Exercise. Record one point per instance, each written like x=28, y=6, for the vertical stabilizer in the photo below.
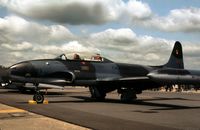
x=176, y=58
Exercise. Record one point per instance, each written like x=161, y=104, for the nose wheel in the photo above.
x=38, y=97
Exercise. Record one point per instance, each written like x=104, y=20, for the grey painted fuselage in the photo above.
x=105, y=75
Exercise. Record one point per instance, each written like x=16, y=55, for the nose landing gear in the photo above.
x=38, y=96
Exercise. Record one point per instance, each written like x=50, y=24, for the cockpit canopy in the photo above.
x=79, y=56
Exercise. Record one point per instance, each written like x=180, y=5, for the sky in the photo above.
x=127, y=31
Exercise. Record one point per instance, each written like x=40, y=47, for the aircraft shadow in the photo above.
x=143, y=102
x=163, y=98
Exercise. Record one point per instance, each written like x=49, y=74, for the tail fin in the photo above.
x=176, y=58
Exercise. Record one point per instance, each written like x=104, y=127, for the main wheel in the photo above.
x=39, y=98
x=97, y=93
x=128, y=96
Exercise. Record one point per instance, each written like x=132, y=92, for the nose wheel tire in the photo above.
x=39, y=98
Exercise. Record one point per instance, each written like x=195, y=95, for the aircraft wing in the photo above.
x=123, y=79
x=39, y=80
x=126, y=81
x=134, y=78
x=42, y=86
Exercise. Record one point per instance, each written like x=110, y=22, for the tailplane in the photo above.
x=176, y=58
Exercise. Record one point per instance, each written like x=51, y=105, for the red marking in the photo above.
x=83, y=63
x=177, y=52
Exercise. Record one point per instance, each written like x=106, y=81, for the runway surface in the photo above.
x=153, y=110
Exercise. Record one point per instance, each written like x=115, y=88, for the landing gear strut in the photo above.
x=97, y=93
x=38, y=97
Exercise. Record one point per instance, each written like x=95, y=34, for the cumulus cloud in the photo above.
x=129, y=48
x=151, y=56
x=18, y=38
x=124, y=45
x=24, y=40
x=96, y=12
x=18, y=29
x=178, y=20
x=138, y=10
x=18, y=47
x=16, y=54
x=78, y=11
x=70, y=47
x=119, y=45
x=117, y=36
x=123, y=37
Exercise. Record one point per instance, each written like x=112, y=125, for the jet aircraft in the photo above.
x=103, y=76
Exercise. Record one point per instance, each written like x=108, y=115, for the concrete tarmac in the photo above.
x=153, y=110
x=18, y=119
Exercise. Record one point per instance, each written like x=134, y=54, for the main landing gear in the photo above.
x=97, y=93
x=127, y=95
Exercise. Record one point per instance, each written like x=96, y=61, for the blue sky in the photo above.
x=162, y=7
x=143, y=31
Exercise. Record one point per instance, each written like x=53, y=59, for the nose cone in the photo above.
x=24, y=69
x=4, y=74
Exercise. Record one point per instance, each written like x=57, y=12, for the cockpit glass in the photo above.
x=81, y=56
